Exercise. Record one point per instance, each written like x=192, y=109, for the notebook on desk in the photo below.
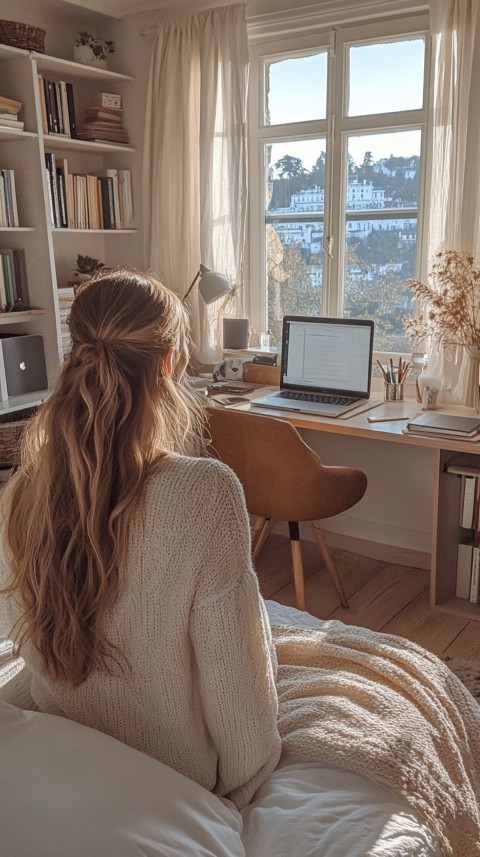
x=326, y=366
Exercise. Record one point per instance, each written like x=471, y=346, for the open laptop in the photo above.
x=326, y=366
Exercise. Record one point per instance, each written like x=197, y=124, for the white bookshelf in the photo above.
x=51, y=252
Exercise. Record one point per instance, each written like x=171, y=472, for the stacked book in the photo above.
x=57, y=107
x=65, y=300
x=103, y=124
x=13, y=281
x=9, y=110
x=8, y=199
x=434, y=424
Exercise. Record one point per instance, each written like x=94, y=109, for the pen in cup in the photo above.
x=392, y=375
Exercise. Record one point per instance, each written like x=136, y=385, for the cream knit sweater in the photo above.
x=200, y=695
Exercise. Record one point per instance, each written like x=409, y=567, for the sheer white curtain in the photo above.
x=455, y=192
x=194, y=172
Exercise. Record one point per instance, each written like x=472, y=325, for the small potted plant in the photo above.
x=90, y=50
x=86, y=267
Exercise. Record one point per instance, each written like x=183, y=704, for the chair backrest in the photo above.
x=283, y=478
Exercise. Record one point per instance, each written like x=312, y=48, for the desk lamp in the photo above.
x=211, y=285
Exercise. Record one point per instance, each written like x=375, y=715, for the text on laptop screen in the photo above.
x=327, y=355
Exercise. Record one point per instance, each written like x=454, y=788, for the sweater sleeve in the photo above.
x=231, y=638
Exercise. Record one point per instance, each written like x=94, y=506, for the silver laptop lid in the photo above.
x=327, y=355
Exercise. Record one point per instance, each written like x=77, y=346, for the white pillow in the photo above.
x=71, y=791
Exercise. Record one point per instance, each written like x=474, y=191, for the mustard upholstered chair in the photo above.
x=283, y=480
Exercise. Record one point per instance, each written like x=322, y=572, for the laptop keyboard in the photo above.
x=321, y=398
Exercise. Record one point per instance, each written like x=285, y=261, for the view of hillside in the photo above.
x=380, y=242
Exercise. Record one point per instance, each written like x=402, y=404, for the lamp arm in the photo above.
x=191, y=286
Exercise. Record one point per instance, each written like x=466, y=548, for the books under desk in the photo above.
x=467, y=468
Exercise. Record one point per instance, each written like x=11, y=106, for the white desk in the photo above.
x=446, y=531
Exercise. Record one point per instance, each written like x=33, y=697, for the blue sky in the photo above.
x=383, y=77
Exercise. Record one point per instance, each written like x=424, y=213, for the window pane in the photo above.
x=296, y=89
x=386, y=77
x=294, y=207
x=380, y=250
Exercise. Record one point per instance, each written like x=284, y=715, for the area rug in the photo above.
x=468, y=672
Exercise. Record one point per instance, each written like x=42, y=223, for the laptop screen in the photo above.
x=327, y=355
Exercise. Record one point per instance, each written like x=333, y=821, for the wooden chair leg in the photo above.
x=297, y=564
x=257, y=527
x=330, y=566
x=260, y=533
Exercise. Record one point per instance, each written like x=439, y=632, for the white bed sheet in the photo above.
x=306, y=808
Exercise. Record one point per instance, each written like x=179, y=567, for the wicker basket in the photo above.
x=12, y=427
x=24, y=36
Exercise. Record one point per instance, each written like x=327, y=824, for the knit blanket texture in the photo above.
x=384, y=707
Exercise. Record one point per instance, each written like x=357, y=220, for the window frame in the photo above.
x=335, y=128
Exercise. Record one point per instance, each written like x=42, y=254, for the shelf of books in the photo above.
x=71, y=177
x=97, y=200
x=456, y=560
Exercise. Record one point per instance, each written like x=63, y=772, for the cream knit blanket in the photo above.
x=383, y=707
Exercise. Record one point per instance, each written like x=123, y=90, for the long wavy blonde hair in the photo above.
x=119, y=407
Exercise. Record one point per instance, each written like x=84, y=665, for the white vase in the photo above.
x=85, y=55
x=472, y=391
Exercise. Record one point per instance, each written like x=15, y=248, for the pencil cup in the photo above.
x=393, y=392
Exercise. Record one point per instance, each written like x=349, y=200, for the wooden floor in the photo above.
x=381, y=596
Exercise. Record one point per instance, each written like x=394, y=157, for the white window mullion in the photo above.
x=330, y=238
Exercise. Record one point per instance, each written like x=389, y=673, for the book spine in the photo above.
x=58, y=107
x=125, y=182
x=48, y=104
x=107, y=203
x=468, y=505
x=64, y=103
x=3, y=210
x=116, y=202
x=61, y=198
x=13, y=195
x=53, y=106
x=100, y=205
x=464, y=571
x=3, y=293
x=43, y=106
x=8, y=280
x=474, y=583
x=22, y=297
x=52, y=170
x=71, y=110
x=50, y=196
x=7, y=197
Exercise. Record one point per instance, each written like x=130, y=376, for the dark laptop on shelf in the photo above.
x=326, y=366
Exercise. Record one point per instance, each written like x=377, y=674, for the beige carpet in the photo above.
x=468, y=672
